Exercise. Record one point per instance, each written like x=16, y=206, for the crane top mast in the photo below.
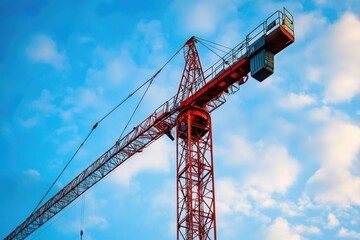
x=206, y=90
x=193, y=76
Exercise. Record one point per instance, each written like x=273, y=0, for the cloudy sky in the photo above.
x=287, y=150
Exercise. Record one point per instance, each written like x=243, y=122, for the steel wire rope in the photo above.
x=147, y=88
x=55, y=219
x=135, y=110
x=204, y=40
x=150, y=80
x=82, y=217
x=208, y=47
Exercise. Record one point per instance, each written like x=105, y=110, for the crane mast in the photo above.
x=189, y=110
x=194, y=161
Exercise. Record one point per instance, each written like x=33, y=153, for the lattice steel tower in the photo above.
x=194, y=165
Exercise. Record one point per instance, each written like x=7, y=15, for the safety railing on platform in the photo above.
x=277, y=19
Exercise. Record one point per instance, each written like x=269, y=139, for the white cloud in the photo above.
x=333, y=59
x=314, y=73
x=87, y=97
x=322, y=114
x=85, y=39
x=230, y=35
x=320, y=2
x=338, y=145
x=280, y=229
x=234, y=201
x=308, y=23
x=81, y=100
x=340, y=142
x=205, y=16
x=67, y=130
x=296, y=101
x=150, y=34
x=115, y=71
x=328, y=115
x=275, y=170
x=65, y=105
x=44, y=103
x=91, y=222
x=32, y=173
x=202, y=18
x=289, y=208
x=43, y=49
x=164, y=199
x=238, y=152
x=337, y=187
x=29, y=122
x=271, y=168
x=332, y=221
x=307, y=230
x=229, y=199
x=164, y=205
x=91, y=208
x=96, y=222
x=345, y=233
x=112, y=67
x=155, y=158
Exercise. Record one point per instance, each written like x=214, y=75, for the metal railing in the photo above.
x=279, y=18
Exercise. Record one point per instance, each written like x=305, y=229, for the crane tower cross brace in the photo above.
x=189, y=110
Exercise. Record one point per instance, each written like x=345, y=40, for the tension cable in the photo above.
x=208, y=46
x=150, y=80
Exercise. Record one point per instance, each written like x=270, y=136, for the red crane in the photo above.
x=189, y=110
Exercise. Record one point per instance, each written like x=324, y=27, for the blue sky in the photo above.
x=287, y=150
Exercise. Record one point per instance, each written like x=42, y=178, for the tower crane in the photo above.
x=200, y=93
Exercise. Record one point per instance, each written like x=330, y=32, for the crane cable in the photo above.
x=213, y=43
x=150, y=80
x=147, y=88
x=82, y=217
x=206, y=43
x=136, y=108
x=202, y=41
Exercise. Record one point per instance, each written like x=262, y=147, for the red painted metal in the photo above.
x=196, y=218
x=193, y=76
